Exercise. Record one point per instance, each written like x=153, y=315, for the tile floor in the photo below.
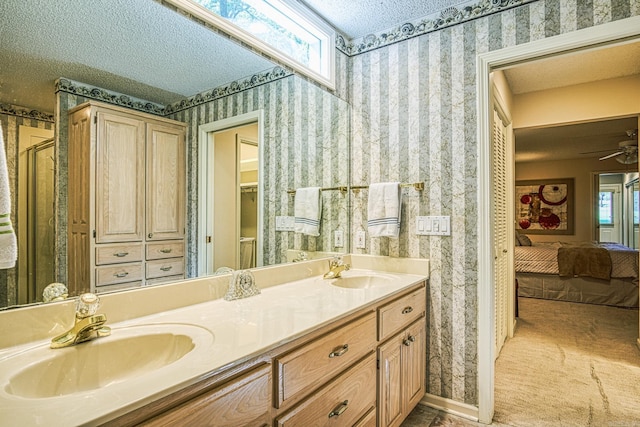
x=424, y=416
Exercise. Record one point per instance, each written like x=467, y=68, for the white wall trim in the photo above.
x=205, y=204
x=463, y=410
x=625, y=30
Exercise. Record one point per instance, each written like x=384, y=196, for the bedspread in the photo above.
x=543, y=258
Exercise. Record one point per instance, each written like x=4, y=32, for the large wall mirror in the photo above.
x=140, y=54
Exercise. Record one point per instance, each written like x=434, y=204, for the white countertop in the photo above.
x=234, y=331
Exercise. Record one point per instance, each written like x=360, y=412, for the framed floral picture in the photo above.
x=545, y=206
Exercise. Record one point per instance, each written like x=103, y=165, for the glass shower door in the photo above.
x=40, y=232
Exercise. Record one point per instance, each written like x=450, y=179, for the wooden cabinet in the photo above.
x=126, y=191
x=305, y=368
x=337, y=375
x=402, y=358
x=243, y=401
x=344, y=401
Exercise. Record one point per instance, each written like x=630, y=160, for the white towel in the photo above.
x=307, y=210
x=384, y=209
x=8, y=243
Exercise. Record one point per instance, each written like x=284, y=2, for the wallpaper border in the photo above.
x=14, y=110
x=437, y=21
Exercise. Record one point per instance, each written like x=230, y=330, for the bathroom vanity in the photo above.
x=306, y=351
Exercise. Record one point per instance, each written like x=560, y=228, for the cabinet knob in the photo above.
x=121, y=254
x=339, y=351
x=123, y=274
x=409, y=340
x=407, y=310
x=166, y=250
x=150, y=235
x=338, y=410
x=166, y=268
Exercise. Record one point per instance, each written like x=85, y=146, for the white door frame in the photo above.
x=205, y=184
x=609, y=33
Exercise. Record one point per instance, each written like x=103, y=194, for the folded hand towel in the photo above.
x=384, y=209
x=308, y=210
x=8, y=243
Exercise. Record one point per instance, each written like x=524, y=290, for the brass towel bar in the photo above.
x=418, y=186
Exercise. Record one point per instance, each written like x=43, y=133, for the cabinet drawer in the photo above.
x=118, y=287
x=169, y=249
x=307, y=367
x=244, y=401
x=398, y=314
x=165, y=267
x=342, y=402
x=161, y=280
x=368, y=420
x=120, y=273
x=115, y=254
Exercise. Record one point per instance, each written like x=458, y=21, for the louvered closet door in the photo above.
x=500, y=187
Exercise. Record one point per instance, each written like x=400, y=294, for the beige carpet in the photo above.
x=570, y=364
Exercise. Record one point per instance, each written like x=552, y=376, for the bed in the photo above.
x=604, y=273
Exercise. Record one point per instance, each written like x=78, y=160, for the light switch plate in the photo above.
x=433, y=225
x=361, y=238
x=338, y=238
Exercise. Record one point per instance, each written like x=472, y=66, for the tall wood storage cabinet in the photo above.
x=126, y=199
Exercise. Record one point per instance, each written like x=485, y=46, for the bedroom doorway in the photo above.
x=564, y=44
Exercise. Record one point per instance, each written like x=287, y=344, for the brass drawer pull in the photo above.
x=166, y=251
x=407, y=310
x=409, y=340
x=121, y=254
x=339, y=351
x=338, y=410
x=166, y=268
x=123, y=274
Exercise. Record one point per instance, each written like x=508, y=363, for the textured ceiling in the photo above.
x=358, y=18
x=136, y=47
x=576, y=68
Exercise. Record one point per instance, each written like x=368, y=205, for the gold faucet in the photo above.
x=336, y=267
x=88, y=325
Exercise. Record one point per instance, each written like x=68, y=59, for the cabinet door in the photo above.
x=244, y=401
x=390, y=371
x=165, y=182
x=414, y=364
x=401, y=374
x=119, y=178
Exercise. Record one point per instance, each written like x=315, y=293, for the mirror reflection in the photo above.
x=300, y=140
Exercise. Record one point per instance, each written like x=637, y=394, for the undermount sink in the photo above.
x=128, y=353
x=354, y=279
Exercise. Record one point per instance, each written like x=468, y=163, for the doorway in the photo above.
x=230, y=194
x=627, y=30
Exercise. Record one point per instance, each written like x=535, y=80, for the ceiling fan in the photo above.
x=627, y=152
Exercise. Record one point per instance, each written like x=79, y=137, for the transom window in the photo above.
x=302, y=40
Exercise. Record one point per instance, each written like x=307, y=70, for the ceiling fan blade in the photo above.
x=597, y=151
x=611, y=155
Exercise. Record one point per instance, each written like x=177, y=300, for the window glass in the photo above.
x=279, y=26
x=606, y=207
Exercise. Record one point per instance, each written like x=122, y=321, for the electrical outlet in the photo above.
x=338, y=238
x=360, y=239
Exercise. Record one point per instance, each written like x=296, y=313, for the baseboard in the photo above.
x=460, y=409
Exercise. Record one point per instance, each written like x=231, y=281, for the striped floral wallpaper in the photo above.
x=306, y=143
x=414, y=118
x=11, y=118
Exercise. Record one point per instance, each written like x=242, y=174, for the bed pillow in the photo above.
x=523, y=239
